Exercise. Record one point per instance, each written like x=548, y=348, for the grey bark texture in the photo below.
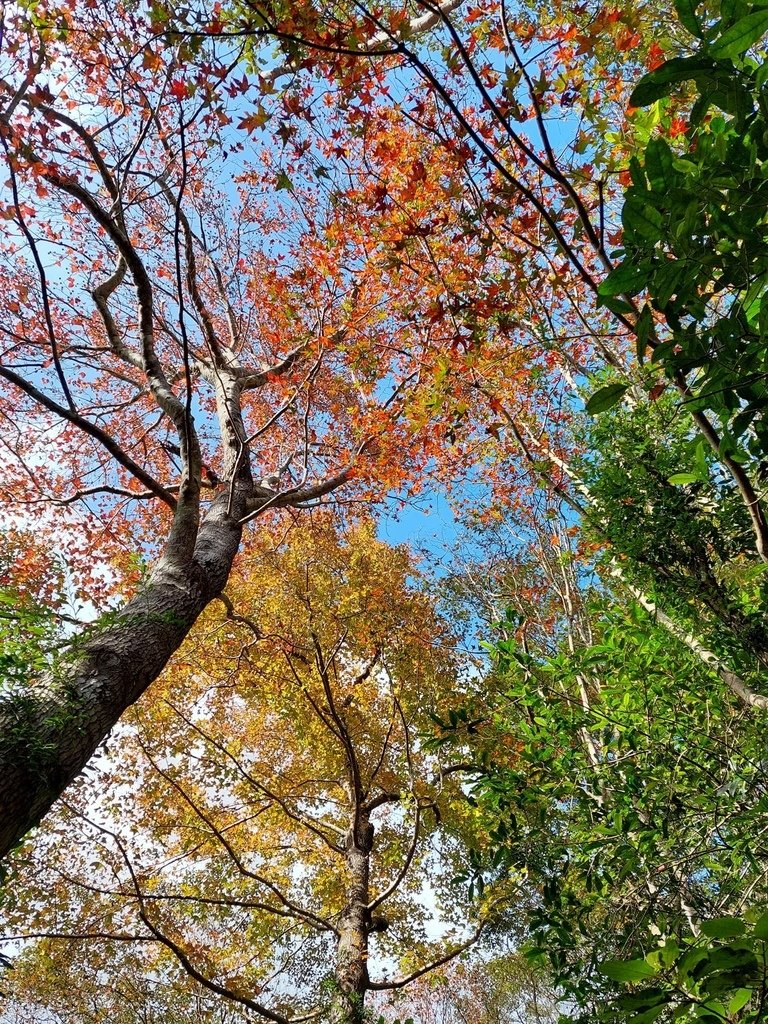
x=352, y=981
x=50, y=731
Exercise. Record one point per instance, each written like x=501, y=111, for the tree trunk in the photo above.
x=351, y=976
x=49, y=731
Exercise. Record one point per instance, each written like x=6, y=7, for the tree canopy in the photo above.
x=279, y=794
x=270, y=271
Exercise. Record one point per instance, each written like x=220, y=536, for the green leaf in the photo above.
x=686, y=12
x=637, y=173
x=728, y=959
x=741, y=422
x=739, y=37
x=659, y=83
x=643, y=329
x=605, y=398
x=642, y=219
x=722, y=982
x=647, y=999
x=658, y=165
x=647, y=1016
x=616, y=305
x=284, y=182
x=685, y=166
x=662, y=351
x=700, y=454
x=723, y=927
x=684, y=478
x=739, y=1000
x=669, y=952
x=626, y=279
x=716, y=1008
x=667, y=281
x=682, y=1009
x=761, y=928
x=626, y=970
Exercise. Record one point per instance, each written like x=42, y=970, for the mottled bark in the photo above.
x=351, y=975
x=49, y=731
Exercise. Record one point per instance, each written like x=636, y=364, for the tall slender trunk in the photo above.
x=351, y=975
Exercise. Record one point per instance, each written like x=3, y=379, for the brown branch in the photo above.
x=385, y=797
x=182, y=539
x=42, y=276
x=353, y=764
x=315, y=827
x=111, y=936
x=161, y=937
x=242, y=619
x=383, y=986
x=88, y=492
x=251, y=379
x=404, y=867
x=374, y=47
x=313, y=920
x=92, y=430
x=293, y=497
x=202, y=979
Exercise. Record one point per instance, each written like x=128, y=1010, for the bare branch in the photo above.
x=404, y=867
x=92, y=430
x=383, y=986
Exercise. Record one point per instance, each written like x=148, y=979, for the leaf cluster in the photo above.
x=627, y=786
x=695, y=238
x=716, y=977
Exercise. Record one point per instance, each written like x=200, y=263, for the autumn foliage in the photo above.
x=268, y=269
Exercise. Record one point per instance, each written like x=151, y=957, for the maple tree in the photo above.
x=182, y=379
x=192, y=370
x=273, y=824
x=520, y=182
